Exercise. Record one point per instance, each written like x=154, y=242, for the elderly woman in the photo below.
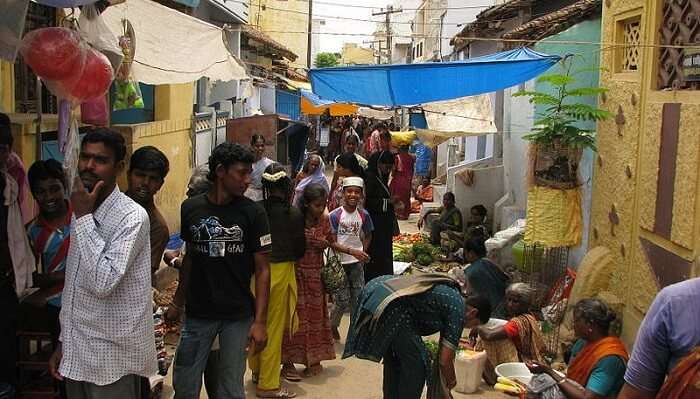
x=311, y=173
x=598, y=361
x=522, y=332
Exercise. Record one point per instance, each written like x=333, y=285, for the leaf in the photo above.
x=538, y=97
x=585, y=91
x=556, y=80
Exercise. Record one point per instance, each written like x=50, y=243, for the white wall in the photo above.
x=518, y=117
x=267, y=100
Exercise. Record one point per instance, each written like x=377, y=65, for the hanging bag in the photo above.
x=332, y=272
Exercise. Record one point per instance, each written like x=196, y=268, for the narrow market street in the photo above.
x=343, y=378
x=489, y=198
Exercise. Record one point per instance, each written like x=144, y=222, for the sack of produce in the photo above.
x=469, y=366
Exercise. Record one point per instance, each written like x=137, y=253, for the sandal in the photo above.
x=290, y=373
x=281, y=393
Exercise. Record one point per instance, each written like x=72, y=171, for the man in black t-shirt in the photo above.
x=228, y=240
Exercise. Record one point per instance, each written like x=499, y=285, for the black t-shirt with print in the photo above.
x=221, y=242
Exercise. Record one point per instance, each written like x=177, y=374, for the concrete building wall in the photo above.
x=274, y=18
x=353, y=54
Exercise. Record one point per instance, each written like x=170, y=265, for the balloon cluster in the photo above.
x=69, y=67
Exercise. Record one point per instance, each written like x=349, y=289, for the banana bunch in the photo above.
x=509, y=386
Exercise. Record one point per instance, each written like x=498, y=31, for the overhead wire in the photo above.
x=345, y=5
x=458, y=24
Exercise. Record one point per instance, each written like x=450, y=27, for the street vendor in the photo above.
x=393, y=314
x=450, y=218
x=422, y=193
x=520, y=339
x=598, y=360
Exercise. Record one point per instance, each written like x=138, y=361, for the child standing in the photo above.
x=352, y=229
x=313, y=342
x=288, y=246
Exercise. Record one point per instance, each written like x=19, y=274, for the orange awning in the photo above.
x=336, y=109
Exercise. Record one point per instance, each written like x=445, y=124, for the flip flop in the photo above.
x=282, y=393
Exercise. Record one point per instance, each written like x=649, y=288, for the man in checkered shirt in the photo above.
x=106, y=341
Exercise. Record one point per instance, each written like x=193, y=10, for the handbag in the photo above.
x=332, y=272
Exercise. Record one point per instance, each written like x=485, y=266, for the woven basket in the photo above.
x=555, y=165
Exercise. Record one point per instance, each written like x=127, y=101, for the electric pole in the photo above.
x=308, y=42
x=387, y=21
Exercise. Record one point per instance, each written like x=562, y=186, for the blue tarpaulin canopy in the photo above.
x=415, y=84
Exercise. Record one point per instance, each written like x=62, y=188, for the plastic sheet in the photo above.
x=14, y=13
x=96, y=32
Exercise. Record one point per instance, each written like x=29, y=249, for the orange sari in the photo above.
x=582, y=365
x=684, y=380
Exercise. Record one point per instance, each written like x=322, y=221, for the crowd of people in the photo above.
x=251, y=294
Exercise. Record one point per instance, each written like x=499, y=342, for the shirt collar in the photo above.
x=102, y=211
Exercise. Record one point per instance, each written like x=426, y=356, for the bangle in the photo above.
x=563, y=380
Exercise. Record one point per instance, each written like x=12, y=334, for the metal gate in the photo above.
x=209, y=130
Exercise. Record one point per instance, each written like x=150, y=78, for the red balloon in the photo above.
x=53, y=53
x=95, y=79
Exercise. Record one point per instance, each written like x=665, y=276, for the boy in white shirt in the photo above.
x=352, y=228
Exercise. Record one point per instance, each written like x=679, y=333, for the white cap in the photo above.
x=353, y=182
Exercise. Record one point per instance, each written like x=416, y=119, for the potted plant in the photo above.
x=557, y=137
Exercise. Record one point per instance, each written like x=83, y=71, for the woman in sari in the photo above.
x=257, y=143
x=423, y=193
x=522, y=331
x=401, y=182
x=381, y=210
x=311, y=173
x=392, y=316
x=313, y=342
x=598, y=360
x=484, y=277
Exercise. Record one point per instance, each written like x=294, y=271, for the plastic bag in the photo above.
x=69, y=67
x=14, y=13
x=64, y=116
x=94, y=29
x=127, y=90
x=54, y=54
x=94, y=112
x=469, y=366
x=71, y=153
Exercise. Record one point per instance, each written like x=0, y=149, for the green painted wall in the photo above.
x=586, y=60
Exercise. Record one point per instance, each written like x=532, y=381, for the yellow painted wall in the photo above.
x=272, y=17
x=173, y=138
x=353, y=55
x=626, y=171
x=174, y=102
x=7, y=87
